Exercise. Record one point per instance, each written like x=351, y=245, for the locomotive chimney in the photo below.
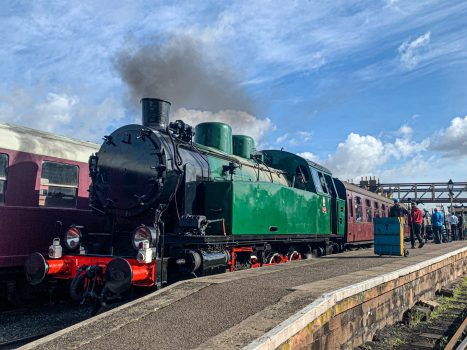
x=155, y=113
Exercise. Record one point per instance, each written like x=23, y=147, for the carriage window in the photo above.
x=350, y=207
x=383, y=210
x=376, y=212
x=368, y=210
x=358, y=209
x=3, y=175
x=315, y=176
x=59, y=185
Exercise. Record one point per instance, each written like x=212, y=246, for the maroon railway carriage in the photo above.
x=44, y=179
x=362, y=207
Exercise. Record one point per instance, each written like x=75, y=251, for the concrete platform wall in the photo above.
x=346, y=318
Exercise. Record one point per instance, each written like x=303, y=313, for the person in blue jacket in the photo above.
x=437, y=221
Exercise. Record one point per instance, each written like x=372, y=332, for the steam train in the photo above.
x=184, y=202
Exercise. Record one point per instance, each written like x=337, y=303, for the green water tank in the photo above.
x=215, y=135
x=243, y=146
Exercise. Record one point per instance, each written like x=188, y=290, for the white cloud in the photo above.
x=61, y=113
x=402, y=158
x=357, y=156
x=416, y=168
x=294, y=139
x=305, y=136
x=241, y=122
x=452, y=140
x=56, y=109
x=405, y=130
x=310, y=156
x=411, y=52
x=405, y=147
x=368, y=155
x=281, y=139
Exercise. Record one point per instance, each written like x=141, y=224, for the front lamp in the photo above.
x=73, y=237
x=141, y=234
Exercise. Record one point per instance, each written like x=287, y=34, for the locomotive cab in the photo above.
x=309, y=176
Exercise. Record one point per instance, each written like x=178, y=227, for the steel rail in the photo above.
x=455, y=338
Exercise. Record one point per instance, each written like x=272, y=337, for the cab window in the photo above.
x=316, y=181
x=302, y=177
x=59, y=185
x=369, y=217
x=322, y=181
x=3, y=175
x=331, y=187
x=358, y=209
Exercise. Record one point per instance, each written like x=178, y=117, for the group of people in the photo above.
x=415, y=221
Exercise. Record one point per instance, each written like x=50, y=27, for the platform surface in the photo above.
x=229, y=310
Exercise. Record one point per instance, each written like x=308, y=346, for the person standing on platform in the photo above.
x=415, y=222
x=460, y=227
x=396, y=210
x=453, y=221
x=437, y=220
x=425, y=219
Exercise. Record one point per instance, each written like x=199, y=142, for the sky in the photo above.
x=365, y=88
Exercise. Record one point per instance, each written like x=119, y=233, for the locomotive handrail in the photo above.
x=224, y=156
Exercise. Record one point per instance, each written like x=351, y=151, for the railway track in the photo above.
x=459, y=339
x=437, y=324
x=17, y=342
x=21, y=326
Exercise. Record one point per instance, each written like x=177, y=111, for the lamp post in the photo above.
x=462, y=226
x=451, y=191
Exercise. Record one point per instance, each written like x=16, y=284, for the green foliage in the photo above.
x=415, y=318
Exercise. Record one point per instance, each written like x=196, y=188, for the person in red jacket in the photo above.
x=415, y=222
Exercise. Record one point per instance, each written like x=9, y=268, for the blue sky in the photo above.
x=367, y=88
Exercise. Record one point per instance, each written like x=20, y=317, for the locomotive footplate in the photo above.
x=247, y=239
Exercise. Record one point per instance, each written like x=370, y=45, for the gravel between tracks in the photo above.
x=39, y=320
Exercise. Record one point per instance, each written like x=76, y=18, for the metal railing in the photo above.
x=426, y=192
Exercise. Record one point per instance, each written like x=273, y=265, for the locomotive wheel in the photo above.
x=273, y=258
x=294, y=255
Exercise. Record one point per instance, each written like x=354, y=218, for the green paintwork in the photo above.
x=243, y=146
x=215, y=135
x=258, y=198
x=251, y=208
x=247, y=170
x=341, y=216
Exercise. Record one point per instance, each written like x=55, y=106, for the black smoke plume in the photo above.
x=181, y=72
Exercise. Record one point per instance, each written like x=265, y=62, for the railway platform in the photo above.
x=309, y=303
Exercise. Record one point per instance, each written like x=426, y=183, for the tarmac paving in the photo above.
x=229, y=310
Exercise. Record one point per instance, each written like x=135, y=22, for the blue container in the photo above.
x=389, y=237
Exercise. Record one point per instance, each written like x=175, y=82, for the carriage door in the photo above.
x=341, y=216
